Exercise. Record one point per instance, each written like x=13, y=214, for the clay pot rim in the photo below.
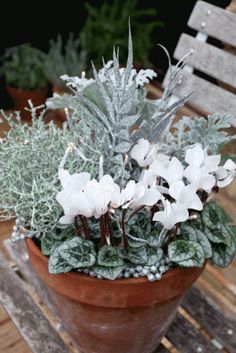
x=37, y=252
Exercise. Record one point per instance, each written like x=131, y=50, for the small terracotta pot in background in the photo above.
x=20, y=98
x=120, y=316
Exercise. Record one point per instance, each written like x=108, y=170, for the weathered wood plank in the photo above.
x=214, y=21
x=162, y=349
x=9, y=338
x=187, y=338
x=221, y=278
x=210, y=316
x=208, y=97
x=208, y=59
x=18, y=254
x=28, y=318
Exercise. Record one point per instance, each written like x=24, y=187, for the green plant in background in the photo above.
x=70, y=58
x=106, y=26
x=22, y=67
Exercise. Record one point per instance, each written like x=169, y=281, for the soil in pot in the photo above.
x=20, y=99
x=121, y=316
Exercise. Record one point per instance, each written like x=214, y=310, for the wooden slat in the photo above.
x=28, y=318
x=210, y=316
x=17, y=253
x=10, y=338
x=214, y=21
x=209, y=59
x=221, y=279
x=162, y=349
x=187, y=339
x=207, y=98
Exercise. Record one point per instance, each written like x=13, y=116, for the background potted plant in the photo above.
x=121, y=224
x=71, y=58
x=109, y=23
x=22, y=67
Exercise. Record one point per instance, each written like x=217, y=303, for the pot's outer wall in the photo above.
x=121, y=316
x=113, y=330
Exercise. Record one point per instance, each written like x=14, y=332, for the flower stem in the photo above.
x=109, y=228
x=204, y=196
x=77, y=227
x=85, y=227
x=103, y=232
x=176, y=231
x=124, y=238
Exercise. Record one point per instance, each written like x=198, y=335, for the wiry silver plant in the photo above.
x=29, y=159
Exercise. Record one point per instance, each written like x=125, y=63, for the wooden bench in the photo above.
x=200, y=325
x=211, y=70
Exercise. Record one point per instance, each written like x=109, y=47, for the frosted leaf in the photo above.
x=186, y=253
x=144, y=76
x=123, y=147
x=77, y=83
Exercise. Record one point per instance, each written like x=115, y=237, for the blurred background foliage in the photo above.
x=96, y=26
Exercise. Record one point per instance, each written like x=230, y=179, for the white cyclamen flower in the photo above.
x=85, y=197
x=170, y=171
x=98, y=197
x=200, y=167
x=185, y=195
x=141, y=195
x=173, y=213
x=226, y=173
x=143, y=152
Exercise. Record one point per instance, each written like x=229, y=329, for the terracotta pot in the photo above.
x=121, y=316
x=20, y=98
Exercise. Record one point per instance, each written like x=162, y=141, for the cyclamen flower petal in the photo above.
x=128, y=192
x=185, y=195
x=199, y=179
x=142, y=153
x=197, y=157
x=171, y=173
x=76, y=181
x=230, y=165
x=143, y=196
x=200, y=165
x=226, y=174
x=73, y=205
x=173, y=213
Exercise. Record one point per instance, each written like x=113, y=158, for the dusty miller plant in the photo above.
x=117, y=194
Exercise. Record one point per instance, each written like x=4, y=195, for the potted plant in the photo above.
x=71, y=58
x=109, y=23
x=121, y=223
x=22, y=67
